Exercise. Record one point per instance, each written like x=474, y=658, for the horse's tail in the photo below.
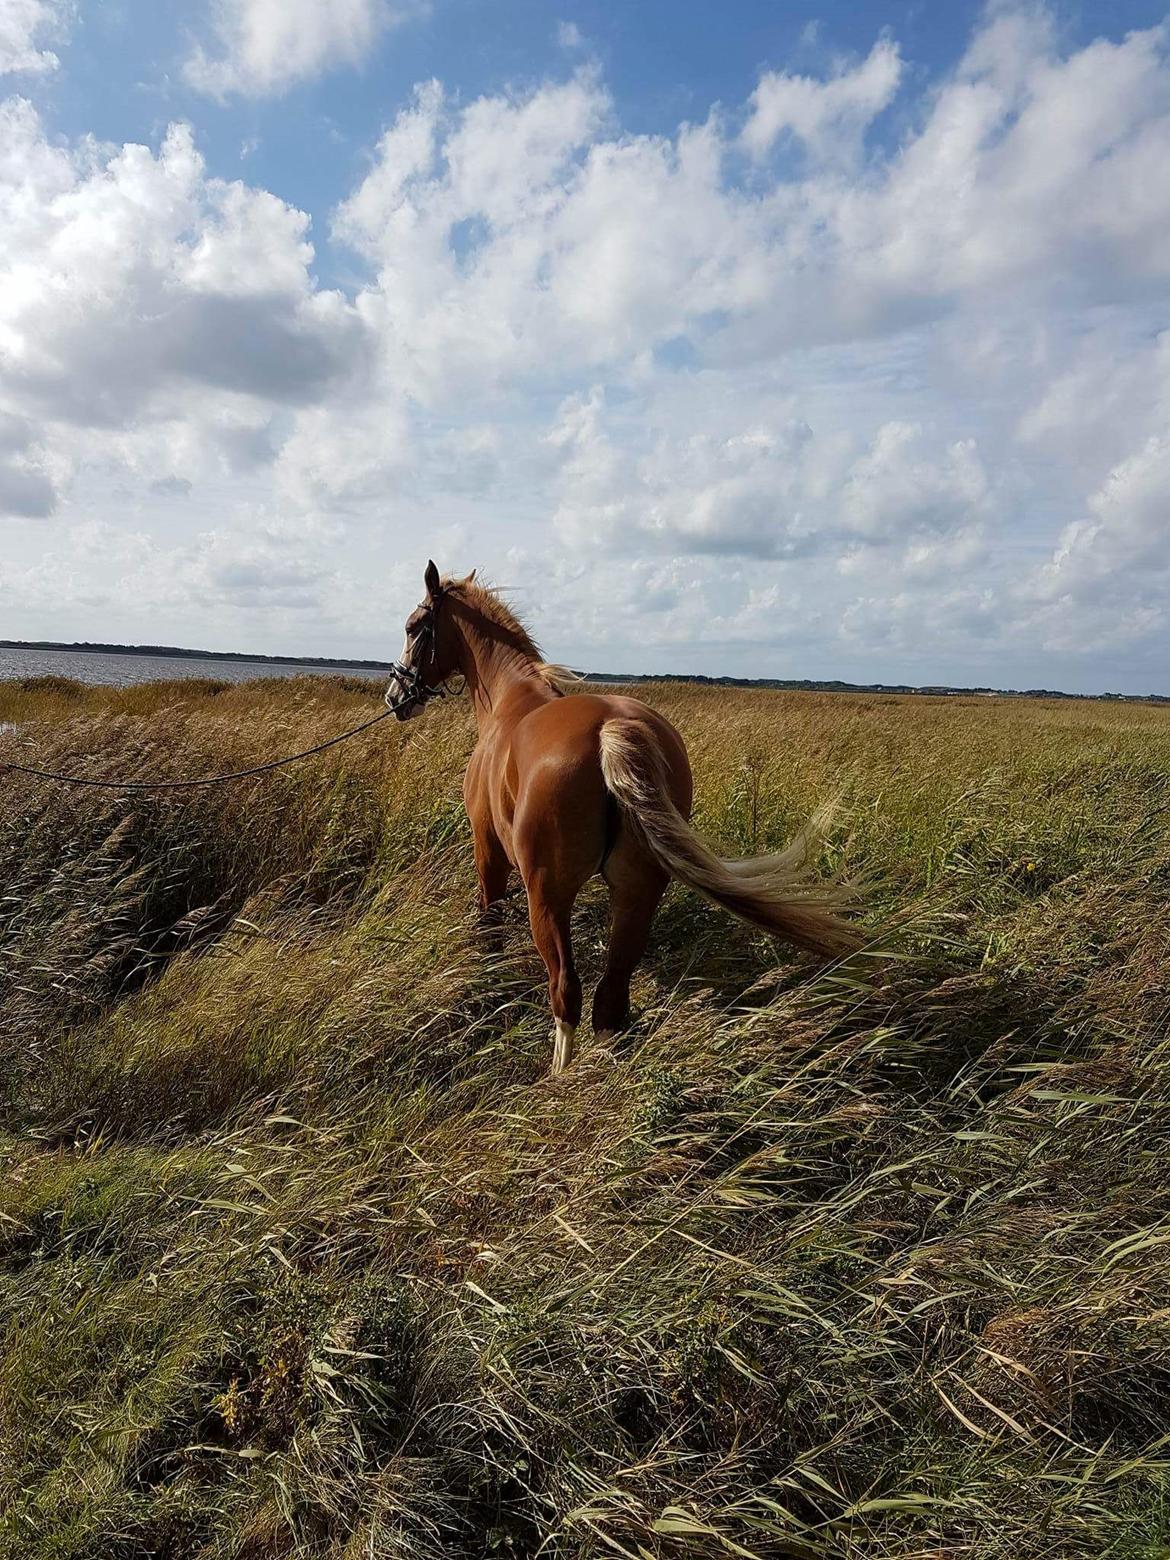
x=769, y=891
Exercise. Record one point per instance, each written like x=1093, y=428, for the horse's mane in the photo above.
x=491, y=605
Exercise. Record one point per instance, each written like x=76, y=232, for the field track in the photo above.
x=303, y=1256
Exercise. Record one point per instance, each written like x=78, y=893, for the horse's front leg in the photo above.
x=493, y=870
x=491, y=860
x=492, y=867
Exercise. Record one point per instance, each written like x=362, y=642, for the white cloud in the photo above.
x=1111, y=569
x=899, y=488
x=522, y=233
x=343, y=454
x=711, y=394
x=140, y=297
x=25, y=27
x=773, y=488
x=1017, y=171
x=26, y=482
x=829, y=117
x=264, y=47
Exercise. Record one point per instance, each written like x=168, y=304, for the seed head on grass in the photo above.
x=302, y=1254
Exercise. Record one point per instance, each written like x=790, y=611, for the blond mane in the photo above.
x=491, y=605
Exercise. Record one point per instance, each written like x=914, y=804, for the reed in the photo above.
x=303, y=1253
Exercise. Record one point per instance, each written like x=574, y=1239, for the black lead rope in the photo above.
x=417, y=692
x=187, y=785
x=413, y=691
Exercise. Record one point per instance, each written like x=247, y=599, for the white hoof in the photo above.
x=604, y=1036
x=563, y=1038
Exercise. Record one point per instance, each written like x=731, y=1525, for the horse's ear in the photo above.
x=470, y=580
x=431, y=580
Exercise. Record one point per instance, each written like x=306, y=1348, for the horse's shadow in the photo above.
x=693, y=947
x=949, y=1010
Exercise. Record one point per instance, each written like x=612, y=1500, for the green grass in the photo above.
x=303, y=1253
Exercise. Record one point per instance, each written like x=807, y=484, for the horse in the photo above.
x=561, y=788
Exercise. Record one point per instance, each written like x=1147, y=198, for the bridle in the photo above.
x=411, y=690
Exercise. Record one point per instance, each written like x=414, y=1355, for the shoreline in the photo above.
x=180, y=653
x=698, y=679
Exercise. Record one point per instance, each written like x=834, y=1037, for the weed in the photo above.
x=304, y=1256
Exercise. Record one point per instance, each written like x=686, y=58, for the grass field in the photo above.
x=302, y=1253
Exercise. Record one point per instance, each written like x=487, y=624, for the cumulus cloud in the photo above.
x=774, y=377
x=25, y=27
x=1110, y=570
x=828, y=117
x=27, y=488
x=137, y=291
x=262, y=48
x=512, y=231
x=770, y=489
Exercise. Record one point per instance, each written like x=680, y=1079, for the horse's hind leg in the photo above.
x=636, y=886
x=550, y=906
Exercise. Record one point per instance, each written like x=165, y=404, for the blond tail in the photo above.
x=769, y=891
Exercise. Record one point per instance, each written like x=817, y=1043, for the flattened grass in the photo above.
x=303, y=1254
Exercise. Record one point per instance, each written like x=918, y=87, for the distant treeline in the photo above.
x=833, y=685
x=85, y=647
x=785, y=684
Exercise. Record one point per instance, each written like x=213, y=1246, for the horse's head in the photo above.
x=429, y=653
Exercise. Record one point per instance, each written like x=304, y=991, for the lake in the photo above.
x=122, y=670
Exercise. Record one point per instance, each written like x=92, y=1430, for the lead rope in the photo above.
x=186, y=785
x=415, y=691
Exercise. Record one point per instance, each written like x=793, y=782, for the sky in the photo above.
x=825, y=340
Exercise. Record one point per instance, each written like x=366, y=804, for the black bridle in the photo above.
x=412, y=690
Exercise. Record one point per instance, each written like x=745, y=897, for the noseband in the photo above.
x=412, y=689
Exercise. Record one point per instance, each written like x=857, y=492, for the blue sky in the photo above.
x=663, y=63
x=825, y=341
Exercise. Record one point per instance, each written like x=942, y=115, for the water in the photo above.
x=122, y=670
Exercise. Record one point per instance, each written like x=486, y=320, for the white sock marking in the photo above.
x=562, y=1045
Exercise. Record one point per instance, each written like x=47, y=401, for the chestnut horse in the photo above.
x=561, y=788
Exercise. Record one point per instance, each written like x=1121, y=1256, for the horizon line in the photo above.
x=792, y=684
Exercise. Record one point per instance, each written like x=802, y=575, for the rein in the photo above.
x=410, y=697
x=187, y=785
x=412, y=691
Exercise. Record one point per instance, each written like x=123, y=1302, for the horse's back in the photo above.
x=567, y=732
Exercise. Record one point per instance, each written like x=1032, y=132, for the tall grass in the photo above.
x=304, y=1254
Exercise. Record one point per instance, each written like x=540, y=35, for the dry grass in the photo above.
x=302, y=1254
